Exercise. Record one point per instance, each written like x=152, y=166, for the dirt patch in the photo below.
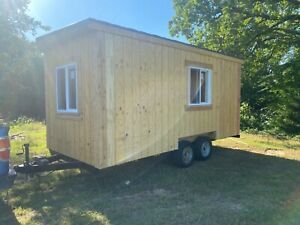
x=234, y=206
x=145, y=194
x=231, y=205
x=274, y=152
x=294, y=197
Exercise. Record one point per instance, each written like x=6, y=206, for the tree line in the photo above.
x=266, y=34
x=21, y=66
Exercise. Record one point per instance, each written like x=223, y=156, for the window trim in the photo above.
x=209, y=87
x=66, y=68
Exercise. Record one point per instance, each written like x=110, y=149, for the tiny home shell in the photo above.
x=115, y=95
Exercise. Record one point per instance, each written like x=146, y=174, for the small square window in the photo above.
x=66, y=88
x=199, y=86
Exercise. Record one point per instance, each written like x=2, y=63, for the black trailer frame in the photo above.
x=46, y=164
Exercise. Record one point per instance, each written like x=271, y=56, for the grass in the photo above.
x=33, y=133
x=253, y=180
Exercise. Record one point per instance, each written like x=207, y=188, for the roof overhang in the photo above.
x=75, y=30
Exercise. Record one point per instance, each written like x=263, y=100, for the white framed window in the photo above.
x=199, y=89
x=66, y=89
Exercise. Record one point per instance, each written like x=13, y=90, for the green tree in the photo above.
x=21, y=76
x=291, y=120
x=265, y=33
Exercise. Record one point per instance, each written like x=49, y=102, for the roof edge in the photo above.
x=88, y=21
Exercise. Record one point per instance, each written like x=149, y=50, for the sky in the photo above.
x=151, y=16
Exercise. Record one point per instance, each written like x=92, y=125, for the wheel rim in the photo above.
x=205, y=149
x=187, y=155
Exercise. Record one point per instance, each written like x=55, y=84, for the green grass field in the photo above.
x=254, y=180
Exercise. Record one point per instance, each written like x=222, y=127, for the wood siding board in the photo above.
x=170, y=81
x=180, y=91
x=183, y=94
x=87, y=85
x=136, y=97
x=158, y=99
x=47, y=81
x=119, y=98
x=222, y=99
x=231, y=96
x=128, y=93
x=234, y=96
x=102, y=93
x=146, y=95
x=216, y=101
x=110, y=100
x=81, y=102
x=238, y=97
x=142, y=95
x=186, y=115
x=96, y=101
x=177, y=106
x=165, y=91
x=151, y=99
x=227, y=92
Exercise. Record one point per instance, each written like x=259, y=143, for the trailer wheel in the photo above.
x=202, y=148
x=184, y=155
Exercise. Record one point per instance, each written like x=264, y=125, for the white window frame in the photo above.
x=66, y=68
x=209, y=86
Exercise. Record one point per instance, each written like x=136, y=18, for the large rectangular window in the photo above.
x=199, y=86
x=66, y=89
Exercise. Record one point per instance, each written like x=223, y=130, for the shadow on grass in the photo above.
x=233, y=187
x=7, y=214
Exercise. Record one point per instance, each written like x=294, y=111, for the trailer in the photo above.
x=114, y=95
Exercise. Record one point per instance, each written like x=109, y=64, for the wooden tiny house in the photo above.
x=115, y=95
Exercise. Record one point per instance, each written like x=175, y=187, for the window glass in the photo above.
x=72, y=88
x=194, y=88
x=200, y=89
x=61, y=89
x=66, y=88
x=203, y=86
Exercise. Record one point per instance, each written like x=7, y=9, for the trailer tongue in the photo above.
x=38, y=164
x=44, y=164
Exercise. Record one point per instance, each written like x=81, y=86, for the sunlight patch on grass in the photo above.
x=263, y=144
x=26, y=216
x=92, y=217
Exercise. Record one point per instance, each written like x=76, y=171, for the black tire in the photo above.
x=184, y=155
x=202, y=148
